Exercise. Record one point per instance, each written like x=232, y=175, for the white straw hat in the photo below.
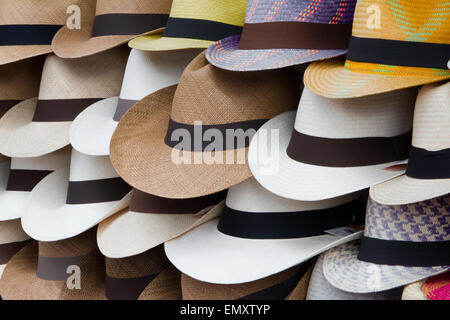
x=413, y=291
x=68, y=202
x=12, y=239
x=333, y=146
x=146, y=72
x=428, y=172
x=260, y=234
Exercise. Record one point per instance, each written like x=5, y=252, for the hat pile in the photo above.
x=225, y=150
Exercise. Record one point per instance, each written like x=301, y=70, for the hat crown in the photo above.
x=420, y=222
x=431, y=129
x=11, y=231
x=383, y=115
x=73, y=247
x=132, y=6
x=85, y=168
x=50, y=161
x=316, y=11
x=28, y=12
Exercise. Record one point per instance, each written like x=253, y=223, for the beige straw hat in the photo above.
x=39, y=126
x=19, y=81
x=106, y=24
x=146, y=149
x=27, y=27
x=413, y=291
x=12, y=239
x=428, y=171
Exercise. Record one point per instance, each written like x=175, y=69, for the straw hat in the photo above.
x=39, y=126
x=428, y=171
x=146, y=72
x=19, y=81
x=106, y=24
x=275, y=287
x=196, y=24
x=146, y=149
x=286, y=33
x=148, y=276
x=437, y=287
x=413, y=291
x=20, y=175
x=28, y=26
x=39, y=270
x=260, y=234
x=333, y=146
x=67, y=203
x=12, y=239
x=401, y=245
x=394, y=45
x=320, y=289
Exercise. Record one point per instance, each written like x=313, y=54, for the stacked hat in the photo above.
x=437, y=287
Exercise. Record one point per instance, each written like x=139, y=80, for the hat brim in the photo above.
x=208, y=255
x=299, y=181
x=12, y=201
x=131, y=233
x=20, y=137
x=10, y=54
x=406, y=190
x=91, y=131
x=47, y=217
x=225, y=54
x=157, y=42
x=414, y=291
x=344, y=271
x=141, y=157
x=332, y=80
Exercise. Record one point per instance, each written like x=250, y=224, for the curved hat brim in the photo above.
x=10, y=54
x=414, y=291
x=157, y=42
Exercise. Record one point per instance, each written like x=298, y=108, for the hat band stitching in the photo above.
x=96, y=191
x=127, y=288
x=5, y=105
x=57, y=110
x=424, y=164
x=25, y=180
x=8, y=250
x=27, y=35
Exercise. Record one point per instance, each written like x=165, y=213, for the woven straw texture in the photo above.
x=437, y=287
x=11, y=231
x=413, y=291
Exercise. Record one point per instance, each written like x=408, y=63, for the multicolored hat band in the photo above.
x=334, y=146
x=19, y=81
x=20, y=175
x=437, y=287
x=394, y=45
x=12, y=239
x=146, y=72
x=39, y=126
x=67, y=203
x=105, y=24
x=196, y=24
x=320, y=289
x=428, y=171
x=147, y=276
x=275, y=287
x=27, y=29
x=270, y=233
x=401, y=244
x=163, y=144
x=152, y=220
x=277, y=34
x=40, y=270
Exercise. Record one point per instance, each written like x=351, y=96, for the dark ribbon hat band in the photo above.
x=295, y=35
x=405, y=253
x=424, y=164
x=8, y=250
x=199, y=29
x=126, y=288
x=289, y=225
x=5, y=105
x=27, y=35
x=216, y=137
x=25, y=180
x=351, y=152
x=399, y=53
x=95, y=191
x=122, y=107
x=55, y=268
x=61, y=109
x=118, y=24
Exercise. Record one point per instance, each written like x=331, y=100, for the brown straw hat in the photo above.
x=106, y=24
x=36, y=127
x=27, y=27
x=143, y=150
x=19, y=81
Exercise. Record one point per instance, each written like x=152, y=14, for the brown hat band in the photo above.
x=118, y=24
x=25, y=180
x=352, y=152
x=215, y=137
x=126, y=288
x=95, y=191
x=122, y=107
x=5, y=105
x=55, y=268
x=147, y=203
x=61, y=109
x=7, y=250
x=295, y=35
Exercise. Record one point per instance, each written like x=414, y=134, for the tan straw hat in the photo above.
x=208, y=104
x=39, y=126
x=27, y=27
x=106, y=24
x=428, y=171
